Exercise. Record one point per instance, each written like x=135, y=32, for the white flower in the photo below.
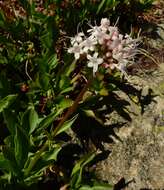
x=94, y=61
x=76, y=49
x=120, y=36
x=97, y=34
x=89, y=44
x=113, y=32
x=106, y=40
x=105, y=23
x=121, y=66
x=114, y=44
x=118, y=56
x=78, y=38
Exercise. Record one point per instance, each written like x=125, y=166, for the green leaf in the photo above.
x=83, y=2
x=64, y=82
x=9, y=141
x=78, y=169
x=100, y=6
x=44, y=80
x=10, y=120
x=101, y=186
x=6, y=102
x=46, y=159
x=30, y=120
x=21, y=146
x=53, y=62
x=66, y=90
x=33, y=119
x=70, y=68
x=51, y=154
x=47, y=121
x=4, y=163
x=85, y=187
x=82, y=162
x=2, y=20
x=9, y=155
x=66, y=125
x=46, y=38
x=65, y=102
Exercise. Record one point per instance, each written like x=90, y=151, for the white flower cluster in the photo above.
x=104, y=45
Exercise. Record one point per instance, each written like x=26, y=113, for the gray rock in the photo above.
x=140, y=155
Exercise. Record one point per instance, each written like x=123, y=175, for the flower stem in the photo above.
x=70, y=111
x=72, y=108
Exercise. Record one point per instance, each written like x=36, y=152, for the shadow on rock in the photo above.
x=93, y=134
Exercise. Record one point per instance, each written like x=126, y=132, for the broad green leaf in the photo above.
x=66, y=125
x=5, y=102
x=30, y=120
x=33, y=119
x=10, y=120
x=21, y=142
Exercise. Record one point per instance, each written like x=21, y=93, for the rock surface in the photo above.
x=139, y=156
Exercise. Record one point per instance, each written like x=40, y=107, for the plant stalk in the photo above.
x=70, y=111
